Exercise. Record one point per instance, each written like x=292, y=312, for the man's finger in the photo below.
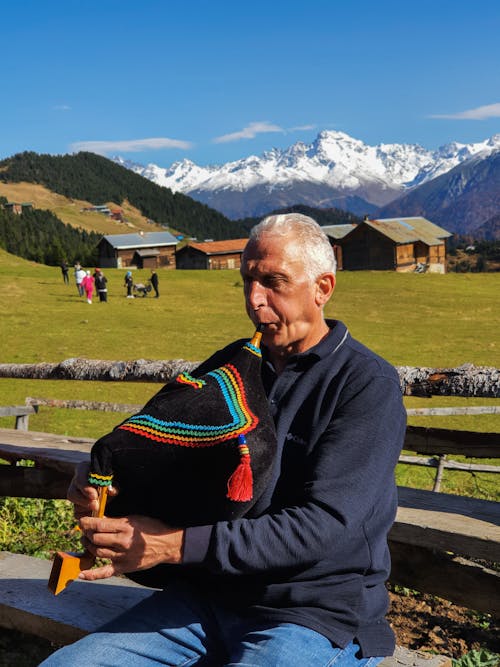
x=96, y=573
x=103, y=525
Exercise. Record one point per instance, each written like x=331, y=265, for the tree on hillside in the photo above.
x=41, y=237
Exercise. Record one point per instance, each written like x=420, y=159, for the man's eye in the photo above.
x=274, y=281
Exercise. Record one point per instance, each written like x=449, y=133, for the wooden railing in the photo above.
x=466, y=380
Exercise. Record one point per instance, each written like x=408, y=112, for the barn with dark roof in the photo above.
x=144, y=250
x=397, y=244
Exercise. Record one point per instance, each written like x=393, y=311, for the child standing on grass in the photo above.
x=88, y=286
x=129, y=283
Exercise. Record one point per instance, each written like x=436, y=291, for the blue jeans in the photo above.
x=180, y=628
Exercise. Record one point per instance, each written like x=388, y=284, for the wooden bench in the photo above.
x=432, y=542
x=27, y=605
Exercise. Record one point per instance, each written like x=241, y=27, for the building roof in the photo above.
x=409, y=230
x=338, y=231
x=141, y=240
x=220, y=247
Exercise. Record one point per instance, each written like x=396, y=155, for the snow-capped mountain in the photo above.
x=334, y=170
x=464, y=200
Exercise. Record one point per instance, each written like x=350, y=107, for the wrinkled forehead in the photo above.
x=272, y=255
x=280, y=247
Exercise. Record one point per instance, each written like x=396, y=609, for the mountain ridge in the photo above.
x=461, y=200
x=334, y=170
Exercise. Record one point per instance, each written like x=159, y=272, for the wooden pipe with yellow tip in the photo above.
x=257, y=337
x=67, y=566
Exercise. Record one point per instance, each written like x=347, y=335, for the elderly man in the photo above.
x=300, y=580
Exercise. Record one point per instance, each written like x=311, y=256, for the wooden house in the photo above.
x=211, y=255
x=17, y=208
x=335, y=233
x=397, y=244
x=144, y=250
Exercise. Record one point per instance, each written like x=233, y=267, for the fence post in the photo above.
x=439, y=473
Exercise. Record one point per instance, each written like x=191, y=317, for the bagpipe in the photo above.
x=200, y=451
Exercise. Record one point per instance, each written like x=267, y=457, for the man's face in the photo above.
x=279, y=294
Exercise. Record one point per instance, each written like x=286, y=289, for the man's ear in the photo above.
x=325, y=285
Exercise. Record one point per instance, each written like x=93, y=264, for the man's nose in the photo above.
x=256, y=295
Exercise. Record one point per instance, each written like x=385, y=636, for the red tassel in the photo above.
x=240, y=484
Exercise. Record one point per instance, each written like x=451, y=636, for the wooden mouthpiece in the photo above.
x=67, y=566
x=257, y=337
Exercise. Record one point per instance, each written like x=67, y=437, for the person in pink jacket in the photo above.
x=88, y=286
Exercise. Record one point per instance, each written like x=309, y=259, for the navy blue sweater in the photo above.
x=313, y=550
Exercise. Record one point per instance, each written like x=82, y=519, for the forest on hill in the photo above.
x=40, y=236
x=96, y=179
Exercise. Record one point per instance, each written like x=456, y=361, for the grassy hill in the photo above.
x=70, y=210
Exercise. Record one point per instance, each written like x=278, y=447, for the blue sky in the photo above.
x=159, y=81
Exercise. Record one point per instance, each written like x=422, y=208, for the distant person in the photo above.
x=79, y=276
x=88, y=286
x=65, y=271
x=129, y=284
x=101, y=281
x=154, y=282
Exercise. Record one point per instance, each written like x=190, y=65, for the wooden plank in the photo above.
x=59, y=452
x=404, y=657
x=27, y=605
x=465, y=380
x=447, y=441
x=138, y=370
x=458, y=524
x=456, y=579
x=448, y=465
x=465, y=410
x=24, y=482
x=128, y=408
x=16, y=410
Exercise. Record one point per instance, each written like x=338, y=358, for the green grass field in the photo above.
x=410, y=319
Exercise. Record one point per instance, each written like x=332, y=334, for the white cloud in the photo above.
x=301, y=128
x=248, y=132
x=61, y=107
x=480, y=113
x=131, y=146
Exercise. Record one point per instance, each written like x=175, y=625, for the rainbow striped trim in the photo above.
x=100, y=480
x=185, y=378
x=201, y=435
x=251, y=348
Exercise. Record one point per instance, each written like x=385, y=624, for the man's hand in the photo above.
x=82, y=494
x=131, y=543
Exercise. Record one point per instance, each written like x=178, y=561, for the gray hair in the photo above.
x=314, y=247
